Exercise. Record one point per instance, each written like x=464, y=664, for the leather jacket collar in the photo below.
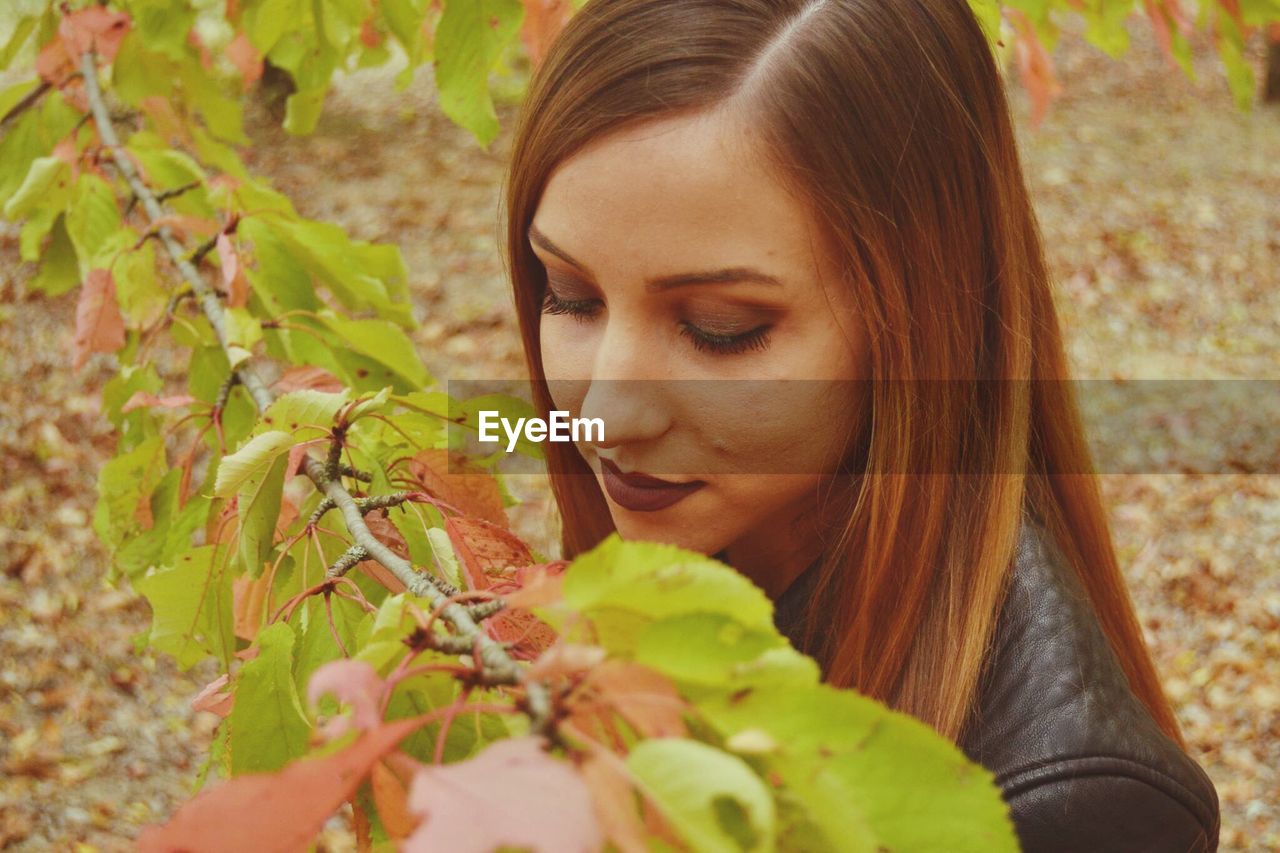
x=1080, y=762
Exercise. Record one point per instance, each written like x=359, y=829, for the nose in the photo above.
x=626, y=389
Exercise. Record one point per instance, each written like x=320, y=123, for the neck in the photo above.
x=778, y=554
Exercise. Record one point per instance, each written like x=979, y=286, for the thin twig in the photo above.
x=25, y=104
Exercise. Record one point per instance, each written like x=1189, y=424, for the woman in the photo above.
x=785, y=252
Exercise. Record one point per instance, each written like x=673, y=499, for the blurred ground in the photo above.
x=1158, y=203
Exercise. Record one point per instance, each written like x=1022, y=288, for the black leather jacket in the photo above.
x=1081, y=763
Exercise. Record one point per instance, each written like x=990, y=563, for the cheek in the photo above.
x=567, y=356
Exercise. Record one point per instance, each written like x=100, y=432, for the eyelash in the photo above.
x=756, y=339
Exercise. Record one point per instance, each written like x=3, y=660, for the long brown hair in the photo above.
x=889, y=119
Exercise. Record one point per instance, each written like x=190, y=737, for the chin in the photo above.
x=658, y=527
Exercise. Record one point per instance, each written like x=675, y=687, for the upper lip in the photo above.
x=642, y=481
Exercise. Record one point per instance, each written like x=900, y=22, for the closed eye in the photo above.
x=583, y=310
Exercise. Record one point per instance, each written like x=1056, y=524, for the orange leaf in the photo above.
x=472, y=490
x=182, y=224
x=143, y=400
x=540, y=585
x=99, y=325
x=299, y=378
x=215, y=698
x=248, y=596
x=53, y=63
x=543, y=21
x=613, y=798
x=166, y=121
x=390, y=794
x=93, y=27
x=282, y=811
x=645, y=699
x=1034, y=65
x=245, y=57
x=233, y=277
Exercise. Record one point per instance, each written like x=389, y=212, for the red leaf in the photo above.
x=472, y=490
x=96, y=27
x=283, y=811
x=513, y=794
x=487, y=551
x=143, y=400
x=316, y=378
x=245, y=57
x=233, y=277
x=543, y=21
x=99, y=325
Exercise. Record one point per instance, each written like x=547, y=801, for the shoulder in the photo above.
x=1081, y=763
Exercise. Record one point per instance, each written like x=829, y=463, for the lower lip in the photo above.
x=646, y=498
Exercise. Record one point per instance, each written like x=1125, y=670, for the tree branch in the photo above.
x=25, y=104
x=493, y=657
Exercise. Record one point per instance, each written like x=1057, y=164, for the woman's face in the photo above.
x=735, y=380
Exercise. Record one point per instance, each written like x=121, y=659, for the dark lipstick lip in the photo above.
x=642, y=493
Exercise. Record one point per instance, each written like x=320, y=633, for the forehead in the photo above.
x=676, y=195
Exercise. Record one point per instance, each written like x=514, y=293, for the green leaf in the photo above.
x=1231, y=50
x=624, y=585
x=714, y=650
x=988, y=14
x=868, y=777
x=404, y=19
x=163, y=25
x=269, y=727
x=138, y=72
x=191, y=608
x=119, y=388
x=33, y=134
x=270, y=20
x=123, y=483
x=223, y=114
x=142, y=297
x=316, y=645
x=59, y=267
x=17, y=40
x=45, y=173
x=306, y=413
x=302, y=110
x=386, y=345
x=467, y=46
x=258, y=510
x=93, y=220
x=358, y=273
x=713, y=799
x=251, y=461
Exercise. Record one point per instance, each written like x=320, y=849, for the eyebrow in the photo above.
x=666, y=282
